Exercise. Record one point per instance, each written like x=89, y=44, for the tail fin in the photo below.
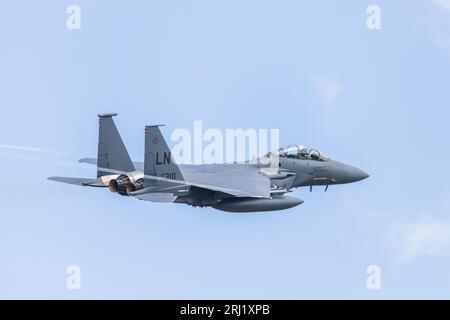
x=112, y=153
x=158, y=159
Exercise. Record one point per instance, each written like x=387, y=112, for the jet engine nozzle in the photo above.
x=112, y=185
x=125, y=183
x=132, y=187
x=119, y=184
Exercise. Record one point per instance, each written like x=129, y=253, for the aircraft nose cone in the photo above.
x=356, y=174
x=365, y=175
x=344, y=173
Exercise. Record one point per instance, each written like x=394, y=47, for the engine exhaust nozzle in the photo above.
x=113, y=185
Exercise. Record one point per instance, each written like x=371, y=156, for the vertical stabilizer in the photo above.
x=158, y=159
x=112, y=153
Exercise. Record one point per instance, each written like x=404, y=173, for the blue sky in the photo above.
x=376, y=99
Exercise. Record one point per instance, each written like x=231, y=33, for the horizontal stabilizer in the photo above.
x=70, y=180
x=88, y=160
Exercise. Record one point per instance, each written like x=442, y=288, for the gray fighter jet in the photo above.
x=260, y=185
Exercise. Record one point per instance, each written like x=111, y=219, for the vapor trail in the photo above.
x=33, y=149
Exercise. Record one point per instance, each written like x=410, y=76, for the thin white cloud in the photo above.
x=328, y=89
x=408, y=235
x=441, y=41
x=439, y=26
x=425, y=236
x=444, y=4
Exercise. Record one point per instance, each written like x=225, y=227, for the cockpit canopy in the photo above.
x=301, y=152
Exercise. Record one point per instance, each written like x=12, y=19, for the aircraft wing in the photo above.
x=241, y=180
x=237, y=186
x=238, y=180
x=233, y=179
x=257, y=188
x=233, y=186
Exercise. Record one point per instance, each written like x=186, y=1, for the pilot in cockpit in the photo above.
x=301, y=153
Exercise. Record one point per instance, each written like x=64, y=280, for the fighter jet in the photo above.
x=255, y=186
